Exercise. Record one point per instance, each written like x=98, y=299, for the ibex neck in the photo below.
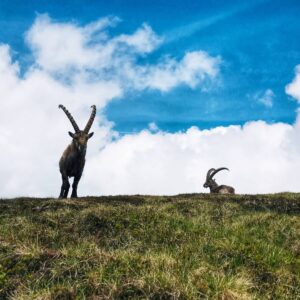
x=213, y=186
x=78, y=152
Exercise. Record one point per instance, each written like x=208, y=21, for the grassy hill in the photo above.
x=197, y=246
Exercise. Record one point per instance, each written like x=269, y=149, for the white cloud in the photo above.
x=192, y=70
x=266, y=98
x=70, y=50
x=293, y=89
x=33, y=131
x=58, y=47
x=144, y=40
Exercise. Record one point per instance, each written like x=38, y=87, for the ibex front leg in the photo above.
x=74, y=186
x=64, y=187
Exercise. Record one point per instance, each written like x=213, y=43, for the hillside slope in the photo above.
x=148, y=247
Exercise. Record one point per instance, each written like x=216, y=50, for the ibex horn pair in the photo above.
x=75, y=126
x=212, y=172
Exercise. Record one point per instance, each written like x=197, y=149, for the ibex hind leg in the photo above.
x=74, y=186
x=64, y=187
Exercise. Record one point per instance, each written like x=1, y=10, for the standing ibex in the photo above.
x=213, y=186
x=72, y=161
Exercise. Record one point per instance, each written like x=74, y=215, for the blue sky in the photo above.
x=258, y=43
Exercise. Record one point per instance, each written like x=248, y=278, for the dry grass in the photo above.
x=141, y=247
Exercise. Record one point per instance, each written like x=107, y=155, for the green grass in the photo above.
x=197, y=246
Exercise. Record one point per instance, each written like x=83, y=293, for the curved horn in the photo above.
x=216, y=171
x=208, y=173
x=91, y=120
x=76, y=128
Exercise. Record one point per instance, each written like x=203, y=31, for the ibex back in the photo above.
x=72, y=161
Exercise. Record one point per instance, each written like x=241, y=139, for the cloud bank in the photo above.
x=82, y=65
x=262, y=158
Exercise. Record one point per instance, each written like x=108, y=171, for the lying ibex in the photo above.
x=72, y=161
x=213, y=186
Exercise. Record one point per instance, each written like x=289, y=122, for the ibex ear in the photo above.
x=71, y=134
x=90, y=134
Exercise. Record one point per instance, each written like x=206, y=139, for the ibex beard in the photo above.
x=72, y=162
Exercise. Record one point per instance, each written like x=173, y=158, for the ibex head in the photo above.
x=80, y=137
x=210, y=182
